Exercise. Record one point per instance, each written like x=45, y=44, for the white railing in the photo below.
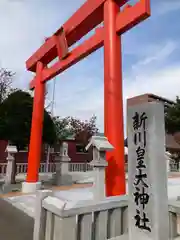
x=22, y=167
x=174, y=219
x=51, y=167
x=3, y=167
x=101, y=220
x=80, y=167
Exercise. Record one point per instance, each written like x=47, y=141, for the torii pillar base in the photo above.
x=31, y=187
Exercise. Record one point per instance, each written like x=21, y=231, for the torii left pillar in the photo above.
x=32, y=184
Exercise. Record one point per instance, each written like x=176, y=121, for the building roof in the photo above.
x=171, y=143
x=149, y=97
x=102, y=135
x=162, y=99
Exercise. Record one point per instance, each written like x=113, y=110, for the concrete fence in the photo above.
x=174, y=219
x=56, y=219
x=3, y=167
x=98, y=220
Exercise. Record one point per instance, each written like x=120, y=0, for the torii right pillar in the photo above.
x=113, y=93
x=113, y=102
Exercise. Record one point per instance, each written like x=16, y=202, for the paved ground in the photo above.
x=54, y=188
x=14, y=224
x=174, y=175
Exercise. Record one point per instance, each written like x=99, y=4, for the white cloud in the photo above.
x=79, y=95
x=151, y=75
x=158, y=55
x=24, y=24
x=150, y=78
x=164, y=82
x=87, y=99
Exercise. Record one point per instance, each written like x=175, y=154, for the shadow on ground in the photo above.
x=14, y=224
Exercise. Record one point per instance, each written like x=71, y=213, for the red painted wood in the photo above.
x=89, y=15
x=113, y=102
x=34, y=157
x=132, y=15
x=127, y=19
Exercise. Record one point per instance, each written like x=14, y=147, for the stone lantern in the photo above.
x=11, y=150
x=100, y=146
x=62, y=176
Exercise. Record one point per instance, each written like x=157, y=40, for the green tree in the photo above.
x=63, y=127
x=172, y=124
x=172, y=117
x=81, y=130
x=15, y=120
x=6, y=79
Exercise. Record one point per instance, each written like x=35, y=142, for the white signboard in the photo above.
x=147, y=175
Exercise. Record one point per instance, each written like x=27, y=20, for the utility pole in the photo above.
x=52, y=114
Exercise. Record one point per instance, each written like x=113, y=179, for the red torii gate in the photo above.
x=87, y=17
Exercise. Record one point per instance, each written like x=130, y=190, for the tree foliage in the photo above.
x=63, y=127
x=15, y=120
x=172, y=117
x=81, y=130
x=16, y=112
x=6, y=79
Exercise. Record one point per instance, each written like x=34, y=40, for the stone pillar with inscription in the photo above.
x=147, y=173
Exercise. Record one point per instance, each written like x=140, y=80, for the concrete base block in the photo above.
x=122, y=237
x=126, y=237
x=55, y=178
x=64, y=179
x=6, y=188
x=28, y=187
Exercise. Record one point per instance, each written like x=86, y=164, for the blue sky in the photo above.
x=151, y=54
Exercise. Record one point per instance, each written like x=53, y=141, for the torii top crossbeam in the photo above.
x=86, y=18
